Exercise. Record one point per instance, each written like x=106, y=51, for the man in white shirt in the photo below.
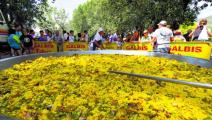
x=97, y=41
x=71, y=36
x=163, y=36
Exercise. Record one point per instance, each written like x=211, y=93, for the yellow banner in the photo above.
x=192, y=49
x=43, y=47
x=138, y=46
x=67, y=46
x=210, y=44
x=110, y=46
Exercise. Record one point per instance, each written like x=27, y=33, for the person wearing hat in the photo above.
x=97, y=41
x=201, y=33
x=163, y=36
x=145, y=37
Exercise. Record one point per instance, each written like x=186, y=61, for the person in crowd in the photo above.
x=71, y=36
x=120, y=42
x=59, y=40
x=186, y=36
x=18, y=29
x=42, y=36
x=128, y=37
x=145, y=37
x=82, y=38
x=65, y=35
x=110, y=36
x=14, y=43
x=104, y=37
x=32, y=33
x=97, y=41
x=150, y=34
x=26, y=42
x=49, y=35
x=114, y=37
x=123, y=35
x=150, y=31
x=135, y=36
x=86, y=36
x=163, y=36
x=178, y=37
x=201, y=33
x=79, y=36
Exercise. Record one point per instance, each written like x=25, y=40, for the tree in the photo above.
x=54, y=19
x=23, y=11
x=61, y=18
x=124, y=15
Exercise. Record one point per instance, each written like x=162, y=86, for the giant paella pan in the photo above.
x=77, y=86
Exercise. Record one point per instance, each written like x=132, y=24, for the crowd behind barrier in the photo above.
x=193, y=43
x=193, y=49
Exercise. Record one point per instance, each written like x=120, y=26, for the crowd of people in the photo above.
x=160, y=38
x=21, y=40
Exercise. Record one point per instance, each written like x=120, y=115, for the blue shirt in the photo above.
x=13, y=42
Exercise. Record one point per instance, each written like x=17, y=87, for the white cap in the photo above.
x=163, y=22
x=100, y=29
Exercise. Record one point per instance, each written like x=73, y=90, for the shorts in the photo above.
x=16, y=49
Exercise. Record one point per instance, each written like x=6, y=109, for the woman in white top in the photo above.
x=145, y=37
x=201, y=33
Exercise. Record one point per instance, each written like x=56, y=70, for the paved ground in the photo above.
x=4, y=55
x=5, y=118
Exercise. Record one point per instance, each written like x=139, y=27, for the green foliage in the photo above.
x=184, y=28
x=123, y=15
x=23, y=11
x=54, y=19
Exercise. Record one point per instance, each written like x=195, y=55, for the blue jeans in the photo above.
x=164, y=50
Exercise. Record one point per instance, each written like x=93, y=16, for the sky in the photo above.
x=71, y=5
x=68, y=5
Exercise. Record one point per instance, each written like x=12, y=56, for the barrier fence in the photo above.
x=192, y=49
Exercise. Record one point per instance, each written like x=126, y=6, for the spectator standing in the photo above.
x=114, y=37
x=14, y=42
x=49, y=36
x=79, y=37
x=178, y=37
x=59, y=40
x=18, y=30
x=27, y=42
x=42, y=36
x=128, y=37
x=71, y=36
x=163, y=36
x=145, y=37
x=86, y=36
x=82, y=39
x=120, y=42
x=201, y=33
x=65, y=35
x=135, y=36
x=32, y=33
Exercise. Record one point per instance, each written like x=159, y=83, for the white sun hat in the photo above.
x=100, y=29
x=163, y=22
